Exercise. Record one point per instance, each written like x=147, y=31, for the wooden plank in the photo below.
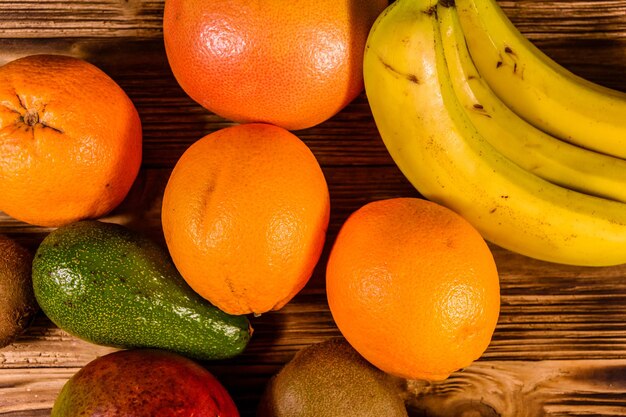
x=350, y=187
x=522, y=389
x=546, y=322
x=578, y=19
x=488, y=389
x=549, y=311
x=172, y=121
x=567, y=19
x=31, y=392
x=55, y=18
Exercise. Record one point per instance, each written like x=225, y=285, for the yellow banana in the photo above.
x=552, y=159
x=439, y=150
x=537, y=88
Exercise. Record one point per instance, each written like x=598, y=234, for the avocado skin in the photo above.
x=108, y=285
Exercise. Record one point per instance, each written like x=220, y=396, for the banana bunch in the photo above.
x=481, y=121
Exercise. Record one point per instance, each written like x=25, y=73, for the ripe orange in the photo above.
x=244, y=214
x=290, y=63
x=413, y=287
x=70, y=140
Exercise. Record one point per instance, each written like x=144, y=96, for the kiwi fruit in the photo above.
x=330, y=379
x=18, y=305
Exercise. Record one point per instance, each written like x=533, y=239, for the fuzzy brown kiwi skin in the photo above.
x=18, y=306
x=331, y=379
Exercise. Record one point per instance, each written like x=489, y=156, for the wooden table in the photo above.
x=560, y=345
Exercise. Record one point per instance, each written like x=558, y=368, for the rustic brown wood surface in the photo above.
x=560, y=345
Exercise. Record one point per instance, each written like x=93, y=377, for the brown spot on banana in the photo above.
x=408, y=76
x=431, y=10
x=480, y=109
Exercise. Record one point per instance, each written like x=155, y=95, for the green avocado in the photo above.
x=108, y=285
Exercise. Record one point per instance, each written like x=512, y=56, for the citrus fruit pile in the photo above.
x=411, y=285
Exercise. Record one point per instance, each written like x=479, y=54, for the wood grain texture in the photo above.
x=56, y=18
x=172, y=121
x=547, y=388
x=583, y=19
x=560, y=344
x=484, y=389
